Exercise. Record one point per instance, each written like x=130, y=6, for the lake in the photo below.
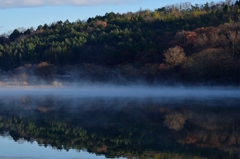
x=119, y=122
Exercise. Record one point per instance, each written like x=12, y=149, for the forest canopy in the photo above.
x=185, y=41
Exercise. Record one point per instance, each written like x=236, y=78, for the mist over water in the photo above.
x=44, y=80
x=111, y=119
x=96, y=115
x=136, y=91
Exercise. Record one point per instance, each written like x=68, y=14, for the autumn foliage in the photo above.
x=185, y=42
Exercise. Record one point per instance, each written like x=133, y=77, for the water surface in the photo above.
x=119, y=123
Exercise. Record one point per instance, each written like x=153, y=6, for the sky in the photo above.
x=15, y=14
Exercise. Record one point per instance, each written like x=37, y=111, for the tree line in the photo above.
x=140, y=41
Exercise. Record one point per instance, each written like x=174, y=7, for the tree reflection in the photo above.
x=126, y=127
x=174, y=121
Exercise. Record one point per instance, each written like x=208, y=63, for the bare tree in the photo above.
x=174, y=56
x=202, y=40
x=234, y=37
x=23, y=78
x=229, y=2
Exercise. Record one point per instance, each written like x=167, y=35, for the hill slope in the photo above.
x=190, y=43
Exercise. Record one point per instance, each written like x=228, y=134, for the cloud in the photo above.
x=35, y=3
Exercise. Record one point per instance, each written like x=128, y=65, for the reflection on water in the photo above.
x=113, y=127
x=23, y=149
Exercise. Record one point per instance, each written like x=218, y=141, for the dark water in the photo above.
x=161, y=127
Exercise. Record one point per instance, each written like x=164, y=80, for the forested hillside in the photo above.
x=192, y=43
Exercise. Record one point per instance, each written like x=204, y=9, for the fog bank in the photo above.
x=104, y=90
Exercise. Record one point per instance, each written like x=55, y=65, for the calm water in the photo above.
x=120, y=124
